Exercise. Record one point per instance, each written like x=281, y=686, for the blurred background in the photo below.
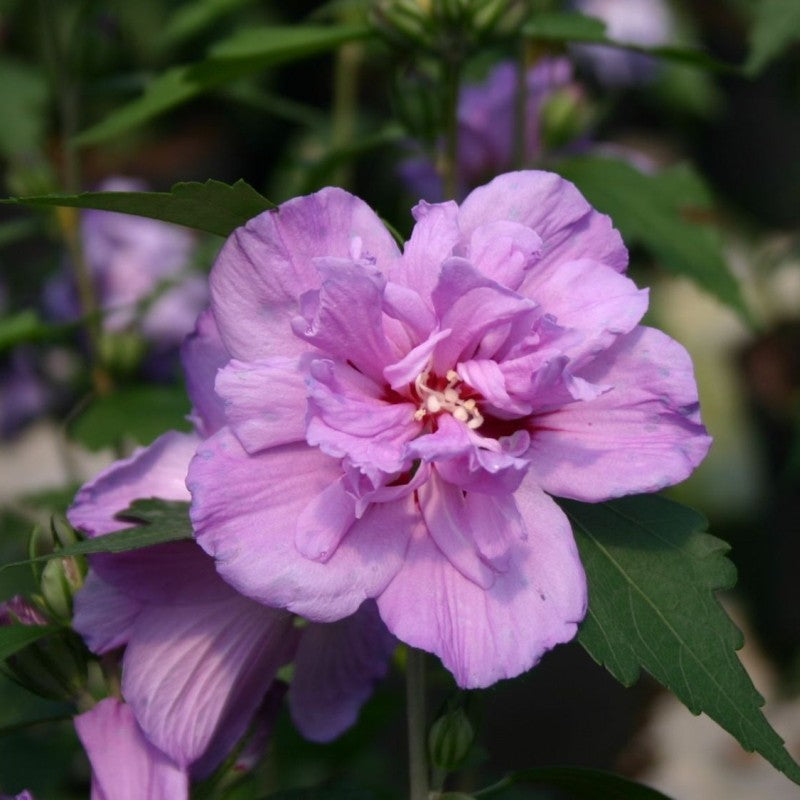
x=84, y=378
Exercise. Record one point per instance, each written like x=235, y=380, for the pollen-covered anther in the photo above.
x=434, y=401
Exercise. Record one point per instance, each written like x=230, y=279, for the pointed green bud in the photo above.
x=564, y=116
x=450, y=739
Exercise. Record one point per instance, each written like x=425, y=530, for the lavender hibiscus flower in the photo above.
x=397, y=422
x=199, y=657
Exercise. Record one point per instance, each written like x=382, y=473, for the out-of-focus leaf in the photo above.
x=246, y=52
x=157, y=521
x=14, y=638
x=16, y=229
x=573, y=27
x=24, y=108
x=141, y=413
x=776, y=25
x=665, y=213
x=652, y=574
x=579, y=782
x=195, y=17
x=213, y=206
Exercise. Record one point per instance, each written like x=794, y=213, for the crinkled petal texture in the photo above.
x=395, y=422
x=125, y=765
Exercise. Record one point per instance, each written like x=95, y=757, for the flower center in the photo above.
x=434, y=401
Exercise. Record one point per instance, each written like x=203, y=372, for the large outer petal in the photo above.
x=125, y=766
x=104, y=615
x=335, y=669
x=267, y=264
x=483, y=635
x=155, y=471
x=245, y=511
x=203, y=354
x=570, y=228
x=640, y=436
x=193, y=670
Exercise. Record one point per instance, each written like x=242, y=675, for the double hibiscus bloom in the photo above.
x=387, y=426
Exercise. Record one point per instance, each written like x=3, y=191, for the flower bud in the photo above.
x=54, y=666
x=564, y=116
x=450, y=739
x=122, y=351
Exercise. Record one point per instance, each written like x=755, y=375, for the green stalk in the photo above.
x=415, y=711
x=449, y=165
x=66, y=92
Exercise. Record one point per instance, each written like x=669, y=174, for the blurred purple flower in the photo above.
x=129, y=258
x=486, y=122
x=125, y=765
x=199, y=657
x=647, y=23
x=24, y=795
x=397, y=422
x=23, y=394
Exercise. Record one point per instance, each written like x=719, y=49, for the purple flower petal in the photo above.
x=643, y=434
x=483, y=635
x=203, y=354
x=570, y=229
x=348, y=417
x=589, y=299
x=335, y=670
x=194, y=670
x=125, y=765
x=267, y=264
x=245, y=511
x=155, y=471
x=265, y=401
x=104, y=615
x=433, y=240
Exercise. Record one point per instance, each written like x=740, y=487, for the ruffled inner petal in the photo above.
x=474, y=308
x=344, y=318
x=324, y=522
x=348, y=418
x=504, y=251
x=445, y=515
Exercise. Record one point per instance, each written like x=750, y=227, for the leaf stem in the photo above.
x=66, y=91
x=415, y=711
x=449, y=164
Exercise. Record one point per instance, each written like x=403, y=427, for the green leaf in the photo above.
x=656, y=211
x=24, y=108
x=579, y=782
x=777, y=25
x=213, y=206
x=246, y=52
x=195, y=17
x=572, y=27
x=158, y=521
x=14, y=638
x=141, y=413
x=652, y=574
